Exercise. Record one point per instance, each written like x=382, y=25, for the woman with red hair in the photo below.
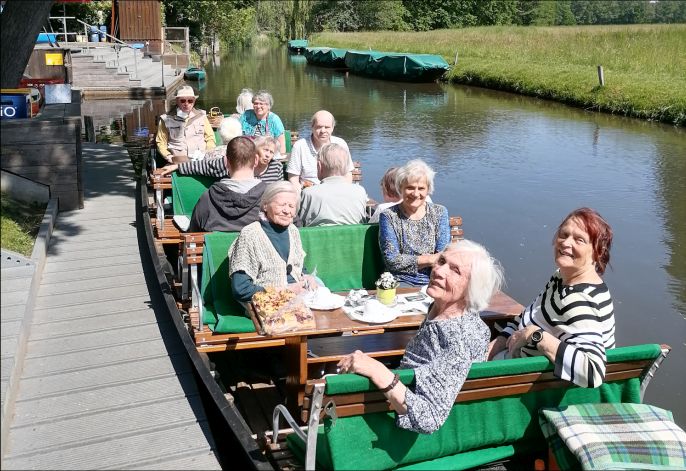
x=572, y=320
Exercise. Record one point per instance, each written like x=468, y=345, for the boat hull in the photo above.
x=194, y=74
x=396, y=66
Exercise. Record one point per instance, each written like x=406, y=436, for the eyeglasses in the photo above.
x=181, y=100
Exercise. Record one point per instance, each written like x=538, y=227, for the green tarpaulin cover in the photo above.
x=396, y=65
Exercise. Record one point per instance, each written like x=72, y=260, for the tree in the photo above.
x=20, y=23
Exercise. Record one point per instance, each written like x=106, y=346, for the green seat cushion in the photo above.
x=187, y=190
x=355, y=263
x=350, y=383
x=218, y=138
x=289, y=141
x=372, y=441
x=345, y=257
x=223, y=314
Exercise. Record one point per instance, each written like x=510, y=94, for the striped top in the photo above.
x=582, y=317
x=216, y=168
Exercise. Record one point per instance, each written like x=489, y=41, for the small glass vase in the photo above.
x=386, y=296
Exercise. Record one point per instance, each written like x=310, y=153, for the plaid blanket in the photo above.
x=614, y=436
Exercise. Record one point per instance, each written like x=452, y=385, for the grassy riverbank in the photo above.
x=643, y=64
x=20, y=224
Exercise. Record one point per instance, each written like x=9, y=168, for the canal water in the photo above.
x=512, y=167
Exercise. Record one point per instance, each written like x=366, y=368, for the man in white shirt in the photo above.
x=302, y=164
x=336, y=200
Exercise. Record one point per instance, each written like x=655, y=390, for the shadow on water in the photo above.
x=512, y=167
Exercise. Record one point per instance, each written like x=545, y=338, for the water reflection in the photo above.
x=512, y=166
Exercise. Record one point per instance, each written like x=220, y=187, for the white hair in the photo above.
x=334, y=159
x=244, y=101
x=264, y=95
x=230, y=128
x=486, y=276
x=261, y=141
x=274, y=189
x=412, y=171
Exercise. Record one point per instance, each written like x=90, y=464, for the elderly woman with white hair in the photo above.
x=449, y=341
x=269, y=252
x=260, y=121
x=243, y=102
x=413, y=232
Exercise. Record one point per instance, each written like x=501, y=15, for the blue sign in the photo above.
x=14, y=106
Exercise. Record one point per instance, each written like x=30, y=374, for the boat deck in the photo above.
x=106, y=382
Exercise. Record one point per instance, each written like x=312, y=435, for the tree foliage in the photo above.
x=237, y=21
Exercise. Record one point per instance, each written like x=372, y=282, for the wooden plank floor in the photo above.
x=106, y=384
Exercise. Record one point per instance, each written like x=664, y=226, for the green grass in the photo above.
x=20, y=224
x=644, y=65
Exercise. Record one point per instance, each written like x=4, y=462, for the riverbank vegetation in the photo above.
x=20, y=224
x=643, y=64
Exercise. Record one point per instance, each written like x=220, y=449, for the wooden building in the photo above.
x=139, y=21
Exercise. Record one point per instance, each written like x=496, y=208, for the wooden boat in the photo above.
x=396, y=65
x=249, y=380
x=297, y=46
x=326, y=56
x=194, y=73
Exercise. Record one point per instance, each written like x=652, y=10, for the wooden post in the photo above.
x=455, y=63
x=601, y=76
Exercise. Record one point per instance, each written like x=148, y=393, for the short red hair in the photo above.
x=599, y=231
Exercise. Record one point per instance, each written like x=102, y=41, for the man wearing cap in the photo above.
x=186, y=131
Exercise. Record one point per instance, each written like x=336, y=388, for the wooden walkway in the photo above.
x=106, y=383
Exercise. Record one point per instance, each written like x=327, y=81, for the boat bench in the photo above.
x=345, y=257
x=186, y=190
x=495, y=415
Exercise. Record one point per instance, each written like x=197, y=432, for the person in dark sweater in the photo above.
x=231, y=203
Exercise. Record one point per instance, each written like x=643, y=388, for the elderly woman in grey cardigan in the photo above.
x=452, y=337
x=269, y=252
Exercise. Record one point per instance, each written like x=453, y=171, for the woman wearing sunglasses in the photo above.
x=186, y=131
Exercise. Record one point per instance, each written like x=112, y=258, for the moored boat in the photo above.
x=297, y=45
x=326, y=56
x=195, y=73
x=495, y=416
x=399, y=66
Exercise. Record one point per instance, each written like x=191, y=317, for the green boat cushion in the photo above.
x=356, y=263
x=350, y=383
x=287, y=138
x=346, y=257
x=372, y=441
x=222, y=313
x=466, y=460
x=218, y=138
x=187, y=190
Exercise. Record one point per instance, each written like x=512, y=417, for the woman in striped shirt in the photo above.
x=268, y=169
x=572, y=320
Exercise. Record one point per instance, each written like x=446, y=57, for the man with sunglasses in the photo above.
x=186, y=131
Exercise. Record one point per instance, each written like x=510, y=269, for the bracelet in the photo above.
x=396, y=378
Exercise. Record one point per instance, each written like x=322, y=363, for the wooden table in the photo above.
x=310, y=352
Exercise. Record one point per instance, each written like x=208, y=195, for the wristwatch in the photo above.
x=536, y=337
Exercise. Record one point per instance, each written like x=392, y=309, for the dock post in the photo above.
x=601, y=76
x=455, y=63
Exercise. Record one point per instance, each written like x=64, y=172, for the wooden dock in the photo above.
x=106, y=382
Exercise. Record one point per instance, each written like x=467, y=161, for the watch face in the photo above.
x=537, y=336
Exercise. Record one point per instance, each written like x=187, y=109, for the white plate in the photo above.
x=373, y=312
x=329, y=304
x=324, y=300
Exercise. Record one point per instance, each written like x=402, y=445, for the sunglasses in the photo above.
x=181, y=100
